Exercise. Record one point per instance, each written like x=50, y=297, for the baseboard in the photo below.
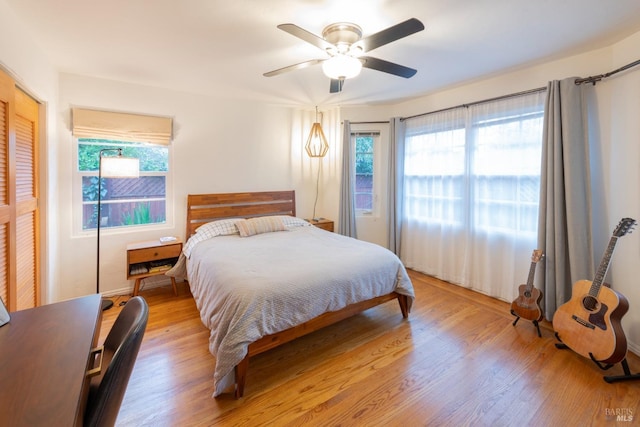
x=634, y=349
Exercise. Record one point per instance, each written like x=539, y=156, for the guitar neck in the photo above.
x=532, y=271
x=603, y=268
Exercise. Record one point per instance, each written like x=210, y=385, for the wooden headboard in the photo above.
x=203, y=208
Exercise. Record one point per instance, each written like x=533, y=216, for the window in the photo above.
x=364, y=157
x=124, y=201
x=478, y=169
x=434, y=175
x=470, y=192
x=505, y=172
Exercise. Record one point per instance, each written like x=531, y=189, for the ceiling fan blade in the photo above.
x=387, y=67
x=293, y=67
x=336, y=85
x=391, y=34
x=305, y=35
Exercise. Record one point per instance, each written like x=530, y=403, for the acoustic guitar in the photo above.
x=589, y=323
x=527, y=304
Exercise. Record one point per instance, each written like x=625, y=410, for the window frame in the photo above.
x=474, y=176
x=468, y=175
x=376, y=184
x=78, y=202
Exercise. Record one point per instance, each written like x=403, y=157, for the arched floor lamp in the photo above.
x=116, y=166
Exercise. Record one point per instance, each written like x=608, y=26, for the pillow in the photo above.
x=259, y=225
x=292, y=221
x=222, y=227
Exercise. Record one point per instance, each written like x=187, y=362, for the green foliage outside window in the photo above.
x=152, y=158
x=364, y=155
x=364, y=171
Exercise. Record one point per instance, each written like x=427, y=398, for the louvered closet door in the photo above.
x=26, y=201
x=19, y=236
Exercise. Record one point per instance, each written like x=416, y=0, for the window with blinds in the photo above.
x=124, y=202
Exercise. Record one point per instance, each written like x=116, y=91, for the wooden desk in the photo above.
x=44, y=355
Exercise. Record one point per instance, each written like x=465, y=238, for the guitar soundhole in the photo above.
x=590, y=303
x=527, y=294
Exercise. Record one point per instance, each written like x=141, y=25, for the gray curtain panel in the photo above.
x=347, y=217
x=396, y=171
x=564, y=225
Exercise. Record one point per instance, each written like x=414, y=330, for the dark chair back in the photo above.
x=120, y=351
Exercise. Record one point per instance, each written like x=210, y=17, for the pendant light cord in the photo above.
x=317, y=191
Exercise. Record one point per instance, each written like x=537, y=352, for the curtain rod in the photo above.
x=369, y=123
x=511, y=95
x=594, y=79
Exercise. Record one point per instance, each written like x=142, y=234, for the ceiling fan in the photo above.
x=345, y=46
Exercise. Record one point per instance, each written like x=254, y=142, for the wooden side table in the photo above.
x=152, y=258
x=325, y=224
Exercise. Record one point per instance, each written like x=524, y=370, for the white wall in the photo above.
x=28, y=65
x=220, y=145
x=306, y=169
x=615, y=146
x=621, y=148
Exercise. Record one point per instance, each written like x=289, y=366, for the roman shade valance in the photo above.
x=121, y=126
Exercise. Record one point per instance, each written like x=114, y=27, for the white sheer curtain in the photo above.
x=471, y=188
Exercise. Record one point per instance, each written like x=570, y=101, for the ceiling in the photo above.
x=223, y=47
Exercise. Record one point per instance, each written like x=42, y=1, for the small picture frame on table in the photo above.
x=4, y=314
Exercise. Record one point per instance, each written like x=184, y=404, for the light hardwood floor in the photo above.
x=456, y=361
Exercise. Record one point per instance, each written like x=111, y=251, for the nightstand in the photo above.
x=325, y=224
x=152, y=258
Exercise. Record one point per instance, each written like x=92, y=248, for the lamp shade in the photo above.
x=120, y=167
x=317, y=145
x=341, y=66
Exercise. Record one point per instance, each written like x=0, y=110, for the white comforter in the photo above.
x=249, y=287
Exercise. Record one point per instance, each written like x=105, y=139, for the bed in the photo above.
x=262, y=277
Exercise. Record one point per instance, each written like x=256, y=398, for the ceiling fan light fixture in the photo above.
x=341, y=67
x=344, y=45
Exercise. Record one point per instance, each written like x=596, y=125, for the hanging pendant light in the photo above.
x=317, y=145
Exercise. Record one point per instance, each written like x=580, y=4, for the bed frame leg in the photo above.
x=241, y=376
x=403, y=300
